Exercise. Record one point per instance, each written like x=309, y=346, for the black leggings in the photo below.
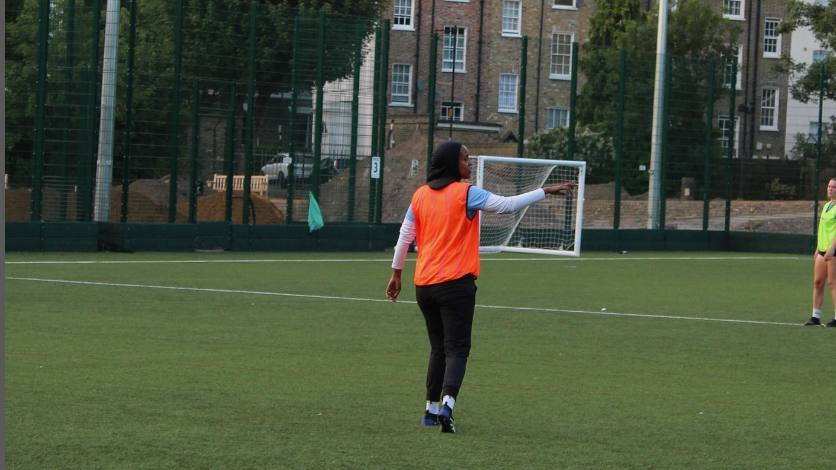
x=448, y=311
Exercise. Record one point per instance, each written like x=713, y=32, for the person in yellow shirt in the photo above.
x=444, y=217
x=824, y=268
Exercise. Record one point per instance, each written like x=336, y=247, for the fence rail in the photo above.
x=204, y=93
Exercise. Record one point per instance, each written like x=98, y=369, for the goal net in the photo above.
x=551, y=226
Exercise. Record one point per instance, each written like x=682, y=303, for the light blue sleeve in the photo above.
x=476, y=199
x=409, y=215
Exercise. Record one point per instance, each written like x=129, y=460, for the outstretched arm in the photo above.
x=488, y=202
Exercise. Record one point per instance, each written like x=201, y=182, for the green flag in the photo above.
x=314, y=215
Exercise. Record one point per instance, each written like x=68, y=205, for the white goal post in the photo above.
x=551, y=226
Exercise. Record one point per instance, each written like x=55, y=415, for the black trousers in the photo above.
x=448, y=311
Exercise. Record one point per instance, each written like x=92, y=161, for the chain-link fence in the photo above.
x=287, y=104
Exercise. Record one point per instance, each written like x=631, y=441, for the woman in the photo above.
x=824, y=267
x=443, y=216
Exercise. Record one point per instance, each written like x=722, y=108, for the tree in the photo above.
x=594, y=148
x=214, y=47
x=695, y=34
x=809, y=82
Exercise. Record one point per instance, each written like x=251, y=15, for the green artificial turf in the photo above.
x=636, y=361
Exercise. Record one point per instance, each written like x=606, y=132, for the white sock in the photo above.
x=816, y=313
x=432, y=407
x=449, y=401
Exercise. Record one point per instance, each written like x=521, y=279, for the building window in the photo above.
x=403, y=15
x=511, y=13
x=771, y=39
x=736, y=58
x=733, y=9
x=401, y=83
x=561, y=58
x=813, y=135
x=507, y=93
x=726, y=129
x=564, y=4
x=558, y=117
x=769, y=109
x=454, y=49
x=451, y=110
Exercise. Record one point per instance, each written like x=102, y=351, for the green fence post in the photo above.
x=69, y=106
x=195, y=152
x=294, y=72
x=666, y=107
x=40, y=112
x=573, y=101
x=619, y=142
x=129, y=104
x=84, y=208
x=248, y=145
x=431, y=99
x=521, y=116
x=818, y=150
x=375, y=118
x=384, y=73
x=175, y=113
x=320, y=85
x=709, y=128
x=229, y=161
x=730, y=153
x=355, y=121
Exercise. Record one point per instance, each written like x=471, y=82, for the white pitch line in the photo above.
x=361, y=299
x=387, y=260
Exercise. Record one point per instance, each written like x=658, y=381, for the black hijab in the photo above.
x=444, y=166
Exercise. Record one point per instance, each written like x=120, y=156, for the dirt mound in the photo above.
x=17, y=205
x=405, y=170
x=213, y=207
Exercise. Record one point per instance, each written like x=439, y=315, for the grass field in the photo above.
x=265, y=360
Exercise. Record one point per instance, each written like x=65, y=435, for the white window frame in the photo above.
x=732, y=16
x=458, y=108
x=508, y=93
x=723, y=125
x=819, y=55
x=461, y=51
x=771, y=41
x=552, y=120
x=410, y=18
x=407, y=84
x=770, y=107
x=508, y=7
x=552, y=65
x=726, y=70
x=561, y=6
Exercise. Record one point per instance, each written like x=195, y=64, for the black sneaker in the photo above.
x=813, y=321
x=429, y=419
x=831, y=323
x=445, y=418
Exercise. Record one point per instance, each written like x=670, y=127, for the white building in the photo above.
x=802, y=118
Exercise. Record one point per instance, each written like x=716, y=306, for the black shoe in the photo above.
x=831, y=323
x=429, y=419
x=813, y=321
x=445, y=418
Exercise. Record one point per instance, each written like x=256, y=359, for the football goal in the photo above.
x=551, y=226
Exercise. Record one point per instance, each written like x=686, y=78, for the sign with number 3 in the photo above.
x=375, y=168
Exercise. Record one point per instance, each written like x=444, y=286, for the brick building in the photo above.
x=479, y=63
x=761, y=99
x=486, y=37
